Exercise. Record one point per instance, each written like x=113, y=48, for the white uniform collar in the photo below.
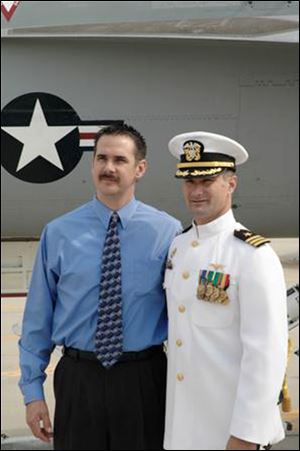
x=214, y=227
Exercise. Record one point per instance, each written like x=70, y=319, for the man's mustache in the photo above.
x=108, y=177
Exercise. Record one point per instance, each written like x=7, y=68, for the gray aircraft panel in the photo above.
x=246, y=91
x=276, y=21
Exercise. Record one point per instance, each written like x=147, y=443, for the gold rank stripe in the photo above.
x=257, y=240
x=253, y=238
x=206, y=164
x=265, y=241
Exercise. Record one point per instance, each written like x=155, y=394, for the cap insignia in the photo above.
x=193, y=150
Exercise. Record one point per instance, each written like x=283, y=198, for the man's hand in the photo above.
x=37, y=418
x=237, y=443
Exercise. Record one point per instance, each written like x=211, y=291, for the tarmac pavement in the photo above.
x=290, y=443
x=14, y=432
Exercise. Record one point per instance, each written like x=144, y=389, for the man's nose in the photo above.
x=198, y=190
x=109, y=166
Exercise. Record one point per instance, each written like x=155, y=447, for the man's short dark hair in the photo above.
x=124, y=130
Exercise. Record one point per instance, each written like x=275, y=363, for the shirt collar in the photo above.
x=217, y=226
x=125, y=213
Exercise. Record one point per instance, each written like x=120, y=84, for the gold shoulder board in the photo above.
x=251, y=238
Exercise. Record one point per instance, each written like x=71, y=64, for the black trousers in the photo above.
x=122, y=408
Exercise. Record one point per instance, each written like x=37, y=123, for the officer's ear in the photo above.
x=232, y=181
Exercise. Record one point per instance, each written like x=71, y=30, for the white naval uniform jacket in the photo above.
x=226, y=363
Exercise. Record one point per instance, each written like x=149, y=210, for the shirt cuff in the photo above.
x=33, y=392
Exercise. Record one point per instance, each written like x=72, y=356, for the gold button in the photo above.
x=181, y=308
x=195, y=243
x=185, y=274
x=179, y=343
x=180, y=377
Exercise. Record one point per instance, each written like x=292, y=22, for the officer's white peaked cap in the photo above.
x=204, y=154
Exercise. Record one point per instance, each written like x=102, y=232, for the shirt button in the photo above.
x=180, y=377
x=179, y=343
x=195, y=243
x=182, y=308
x=185, y=274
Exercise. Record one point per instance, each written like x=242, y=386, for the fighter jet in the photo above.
x=69, y=68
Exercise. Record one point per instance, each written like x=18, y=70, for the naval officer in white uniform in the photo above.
x=227, y=346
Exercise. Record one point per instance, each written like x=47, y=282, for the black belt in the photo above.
x=77, y=354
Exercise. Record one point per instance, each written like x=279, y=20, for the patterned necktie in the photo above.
x=109, y=332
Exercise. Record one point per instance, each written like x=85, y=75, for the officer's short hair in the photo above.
x=124, y=130
x=229, y=172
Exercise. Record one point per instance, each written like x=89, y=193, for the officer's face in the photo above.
x=210, y=197
x=115, y=169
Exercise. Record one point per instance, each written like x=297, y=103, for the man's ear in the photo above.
x=233, y=183
x=141, y=169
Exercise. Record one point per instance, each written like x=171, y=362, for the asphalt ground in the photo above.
x=15, y=434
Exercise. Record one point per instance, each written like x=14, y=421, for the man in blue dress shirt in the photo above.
x=119, y=406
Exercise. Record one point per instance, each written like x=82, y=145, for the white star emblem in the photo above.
x=39, y=139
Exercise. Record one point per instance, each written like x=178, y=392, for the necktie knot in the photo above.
x=114, y=218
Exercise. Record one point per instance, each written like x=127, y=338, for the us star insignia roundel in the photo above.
x=43, y=138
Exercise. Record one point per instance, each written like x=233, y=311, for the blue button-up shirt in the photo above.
x=62, y=302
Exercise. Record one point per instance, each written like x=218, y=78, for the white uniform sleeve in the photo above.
x=264, y=336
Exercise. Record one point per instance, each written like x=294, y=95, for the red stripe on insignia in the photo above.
x=87, y=135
